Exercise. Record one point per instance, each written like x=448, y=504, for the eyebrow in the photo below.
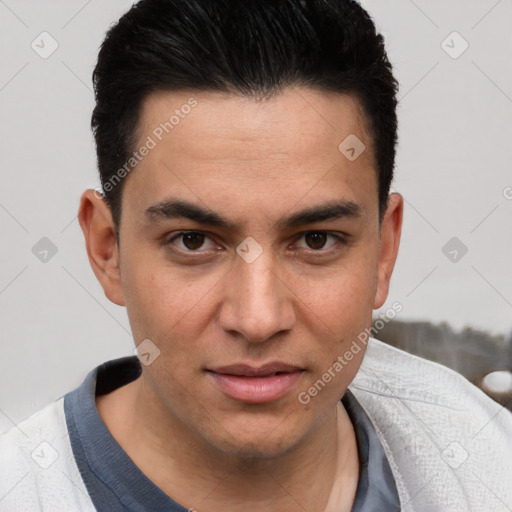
x=330, y=210
x=175, y=209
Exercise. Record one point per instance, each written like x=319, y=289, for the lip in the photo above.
x=255, y=385
x=245, y=370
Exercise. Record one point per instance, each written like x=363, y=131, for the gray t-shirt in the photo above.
x=116, y=484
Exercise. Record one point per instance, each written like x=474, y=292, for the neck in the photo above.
x=313, y=475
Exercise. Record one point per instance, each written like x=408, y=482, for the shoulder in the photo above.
x=439, y=431
x=37, y=467
x=390, y=372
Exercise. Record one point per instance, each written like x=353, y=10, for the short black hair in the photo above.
x=254, y=48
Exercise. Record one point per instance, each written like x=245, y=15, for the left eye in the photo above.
x=316, y=240
x=192, y=240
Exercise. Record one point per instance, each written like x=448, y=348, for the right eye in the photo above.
x=190, y=241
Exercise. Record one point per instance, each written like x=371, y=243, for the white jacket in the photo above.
x=448, y=444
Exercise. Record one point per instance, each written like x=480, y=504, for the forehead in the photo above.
x=232, y=150
x=297, y=115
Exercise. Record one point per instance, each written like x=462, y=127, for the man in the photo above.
x=246, y=151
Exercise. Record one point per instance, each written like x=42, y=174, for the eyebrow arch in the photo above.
x=331, y=210
x=175, y=209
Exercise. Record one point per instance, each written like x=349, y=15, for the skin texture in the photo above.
x=302, y=301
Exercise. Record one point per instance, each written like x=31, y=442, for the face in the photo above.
x=251, y=256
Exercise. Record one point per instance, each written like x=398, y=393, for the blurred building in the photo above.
x=484, y=360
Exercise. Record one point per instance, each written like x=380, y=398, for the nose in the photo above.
x=257, y=303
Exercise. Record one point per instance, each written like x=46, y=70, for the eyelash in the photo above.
x=340, y=240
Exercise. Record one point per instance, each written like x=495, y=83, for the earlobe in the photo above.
x=390, y=242
x=97, y=226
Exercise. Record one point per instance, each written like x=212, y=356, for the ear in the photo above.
x=391, y=230
x=97, y=225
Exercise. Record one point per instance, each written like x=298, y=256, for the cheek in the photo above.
x=164, y=304
x=344, y=312
x=357, y=296
x=343, y=298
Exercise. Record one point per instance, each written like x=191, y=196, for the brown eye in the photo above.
x=321, y=243
x=193, y=241
x=316, y=239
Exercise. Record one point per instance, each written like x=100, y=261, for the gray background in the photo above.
x=453, y=168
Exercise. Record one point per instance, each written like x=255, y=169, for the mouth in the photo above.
x=256, y=385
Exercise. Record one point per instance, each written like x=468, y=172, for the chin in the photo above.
x=257, y=445
x=249, y=450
